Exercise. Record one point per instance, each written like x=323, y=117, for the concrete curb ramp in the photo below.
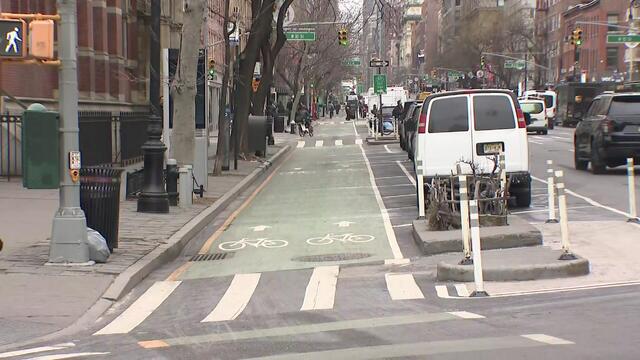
x=515, y=265
x=517, y=234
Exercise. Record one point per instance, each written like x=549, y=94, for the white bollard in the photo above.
x=186, y=187
x=564, y=220
x=633, y=212
x=420, y=186
x=395, y=128
x=477, y=252
x=503, y=173
x=551, y=193
x=464, y=220
x=376, y=127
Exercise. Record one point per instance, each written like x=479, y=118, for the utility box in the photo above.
x=40, y=148
x=258, y=135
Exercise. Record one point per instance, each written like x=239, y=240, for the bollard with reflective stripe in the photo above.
x=551, y=193
x=503, y=174
x=633, y=212
x=420, y=186
x=564, y=220
x=464, y=220
x=477, y=252
x=376, y=127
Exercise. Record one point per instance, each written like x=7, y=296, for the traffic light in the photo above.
x=342, y=37
x=576, y=37
x=482, y=61
x=212, y=69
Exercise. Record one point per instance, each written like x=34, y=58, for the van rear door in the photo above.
x=448, y=136
x=495, y=128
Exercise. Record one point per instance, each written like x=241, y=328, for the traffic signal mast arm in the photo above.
x=514, y=58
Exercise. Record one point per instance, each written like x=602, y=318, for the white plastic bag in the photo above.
x=98, y=249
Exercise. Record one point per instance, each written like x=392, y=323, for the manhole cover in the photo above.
x=331, y=257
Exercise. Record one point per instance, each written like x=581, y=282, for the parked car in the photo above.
x=411, y=125
x=475, y=125
x=539, y=122
x=401, y=129
x=609, y=133
x=550, y=101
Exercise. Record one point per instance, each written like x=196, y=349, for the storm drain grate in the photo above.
x=211, y=257
x=332, y=257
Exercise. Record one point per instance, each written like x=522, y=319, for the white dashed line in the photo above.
x=321, y=290
x=403, y=287
x=319, y=143
x=338, y=142
x=300, y=144
x=235, y=299
x=36, y=350
x=546, y=339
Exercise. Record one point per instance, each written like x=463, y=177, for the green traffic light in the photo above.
x=579, y=42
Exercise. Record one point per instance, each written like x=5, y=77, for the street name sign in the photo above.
x=355, y=61
x=12, y=39
x=378, y=63
x=630, y=40
x=300, y=35
x=380, y=84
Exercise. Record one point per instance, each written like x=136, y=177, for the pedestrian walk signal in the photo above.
x=342, y=37
x=12, y=38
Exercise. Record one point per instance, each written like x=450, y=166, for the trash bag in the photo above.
x=98, y=249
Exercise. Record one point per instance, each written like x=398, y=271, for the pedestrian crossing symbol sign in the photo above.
x=12, y=38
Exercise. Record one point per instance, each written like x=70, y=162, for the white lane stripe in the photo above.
x=319, y=143
x=321, y=290
x=300, y=144
x=68, y=356
x=9, y=354
x=386, y=147
x=141, y=308
x=391, y=236
x=442, y=291
x=536, y=142
x=559, y=137
x=338, y=142
x=402, y=287
x=402, y=225
x=466, y=315
x=397, y=261
x=406, y=172
x=462, y=290
x=358, y=141
x=235, y=299
x=547, y=339
x=397, y=196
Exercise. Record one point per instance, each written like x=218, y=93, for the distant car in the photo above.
x=537, y=111
x=401, y=128
x=609, y=133
x=550, y=101
x=475, y=125
x=411, y=124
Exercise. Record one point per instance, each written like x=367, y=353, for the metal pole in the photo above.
x=236, y=139
x=564, y=221
x=477, y=253
x=464, y=220
x=69, y=232
x=633, y=213
x=526, y=68
x=551, y=192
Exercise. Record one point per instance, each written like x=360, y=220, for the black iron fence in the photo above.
x=106, y=138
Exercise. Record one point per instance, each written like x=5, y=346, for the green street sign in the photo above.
x=520, y=64
x=380, y=84
x=355, y=61
x=360, y=89
x=619, y=38
x=508, y=64
x=301, y=35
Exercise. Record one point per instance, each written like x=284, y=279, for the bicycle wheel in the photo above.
x=232, y=245
x=274, y=243
x=360, y=238
x=324, y=240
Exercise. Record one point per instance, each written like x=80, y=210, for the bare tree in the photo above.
x=223, y=122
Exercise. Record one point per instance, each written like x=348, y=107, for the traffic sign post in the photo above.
x=12, y=38
x=380, y=84
x=300, y=35
x=378, y=63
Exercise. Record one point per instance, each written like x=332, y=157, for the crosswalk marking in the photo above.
x=358, y=141
x=141, y=308
x=69, y=356
x=547, y=339
x=235, y=299
x=462, y=290
x=466, y=315
x=319, y=143
x=338, y=142
x=301, y=144
x=402, y=287
x=9, y=354
x=321, y=290
x=442, y=291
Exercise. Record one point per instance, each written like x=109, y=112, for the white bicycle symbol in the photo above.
x=331, y=238
x=261, y=242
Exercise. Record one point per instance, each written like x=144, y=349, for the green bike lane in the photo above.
x=310, y=196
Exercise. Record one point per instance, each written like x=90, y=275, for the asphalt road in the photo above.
x=320, y=263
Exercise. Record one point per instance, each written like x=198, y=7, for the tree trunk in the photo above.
x=184, y=85
x=260, y=97
x=258, y=35
x=223, y=123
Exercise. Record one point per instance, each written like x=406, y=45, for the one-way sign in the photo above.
x=378, y=63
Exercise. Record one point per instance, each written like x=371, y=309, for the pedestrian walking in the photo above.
x=337, y=108
x=331, y=110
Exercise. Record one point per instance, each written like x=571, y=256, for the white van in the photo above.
x=550, y=101
x=475, y=125
x=537, y=111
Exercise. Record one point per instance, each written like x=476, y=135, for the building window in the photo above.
x=457, y=2
x=612, y=19
x=612, y=57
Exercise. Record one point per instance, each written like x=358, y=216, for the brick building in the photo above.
x=598, y=60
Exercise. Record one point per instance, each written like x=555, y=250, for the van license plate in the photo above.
x=492, y=148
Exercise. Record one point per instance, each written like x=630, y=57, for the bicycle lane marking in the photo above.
x=321, y=290
x=391, y=235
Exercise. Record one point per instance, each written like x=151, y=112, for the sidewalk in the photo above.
x=36, y=300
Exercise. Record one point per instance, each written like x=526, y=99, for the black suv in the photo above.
x=609, y=133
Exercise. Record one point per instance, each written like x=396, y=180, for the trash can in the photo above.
x=100, y=201
x=258, y=134
x=278, y=125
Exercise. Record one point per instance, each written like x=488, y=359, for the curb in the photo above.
x=560, y=269
x=518, y=233
x=372, y=141
x=161, y=255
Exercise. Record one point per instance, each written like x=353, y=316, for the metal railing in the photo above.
x=10, y=145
